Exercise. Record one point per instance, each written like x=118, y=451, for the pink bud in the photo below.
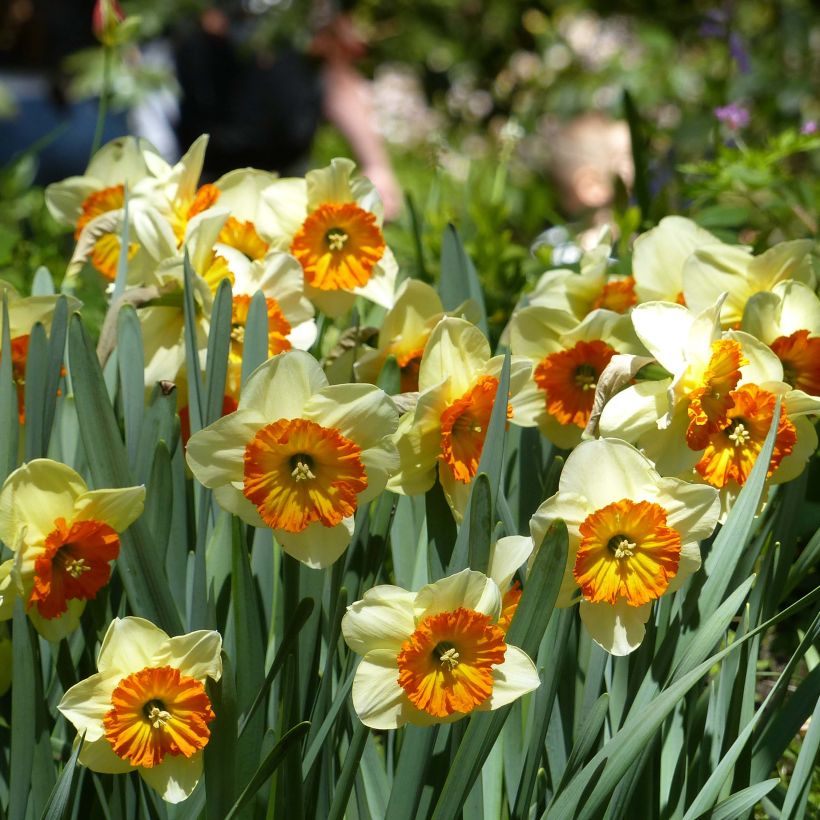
x=105, y=19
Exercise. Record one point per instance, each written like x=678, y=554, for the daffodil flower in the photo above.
x=592, y=288
x=457, y=383
x=567, y=358
x=146, y=709
x=298, y=455
x=787, y=319
x=331, y=222
x=435, y=655
x=64, y=537
x=633, y=537
x=716, y=269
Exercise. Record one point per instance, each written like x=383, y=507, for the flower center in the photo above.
x=709, y=400
x=297, y=472
x=106, y=255
x=338, y=245
x=185, y=210
x=617, y=295
x=569, y=378
x=731, y=453
x=243, y=237
x=446, y=665
x=73, y=566
x=157, y=712
x=628, y=552
x=800, y=356
x=278, y=327
x=464, y=428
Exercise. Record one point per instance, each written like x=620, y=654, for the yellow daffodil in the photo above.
x=592, y=288
x=787, y=319
x=716, y=269
x=708, y=422
x=146, y=708
x=299, y=455
x=403, y=334
x=567, y=360
x=331, y=222
x=633, y=536
x=659, y=255
x=446, y=431
x=435, y=655
x=64, y=537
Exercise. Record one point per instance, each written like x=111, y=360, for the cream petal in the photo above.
x=512, y=679
x=713, y=270
x=382, y=619
x=607, y=470
x=805, y=447
x=565, y=436
x=456, y=492
x=117, y=508
x=635, y=410
x=799, y=308
x=216, y=454
x=786, y=260
x=99, y=756
x=196, y=654
x=378, y=699
x=418, y=446
x=381, y=286
x=507, y=555
x=361, y=412
x=760, y=316
x=317, y=545
x=330, y=184
x=86, y=703
x=689, y=564
x=232, y=499
x=535, y=331
x=286, y=202
x=129, y=645
x=8, y=591
x=55, y=629
x=303, y=335
x=468, y=589
x=240, y=190
x=763, y=364
x=64, y=199
x=280, y=388
x=692, y=509
x=667, y=448
x=664, y=327
x=529, y=406
x=34, y=496
x=456, y=350
x=618, y=628
x=175, y=778
x=380, y=462
x=122, y=160
x=332, y=303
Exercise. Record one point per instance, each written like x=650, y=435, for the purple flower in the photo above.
x=734, y=116
x=809, y=127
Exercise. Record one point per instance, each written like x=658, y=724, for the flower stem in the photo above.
x=102, y=108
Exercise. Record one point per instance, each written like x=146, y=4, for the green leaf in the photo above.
x=390, y=376
x=416, y=232
x=219, y=344
x=255, y=345
x=481, y=523
x=639, y=154
x=459, y=280
x=35, y=392
x=122, y=261
x=344, y=783
x=220, y=753
x=408, y=782
x=197, y=402
x=591, y=726
x=268, y=766
x=54, y=367
x=24, y=699
x=709, y=794
x=131, y=363
x=61, y=795
x=741, y=802
x=145, y=583
x=9, y=422
x=794, y=806
x=318, y=741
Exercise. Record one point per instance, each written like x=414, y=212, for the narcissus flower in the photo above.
x=458, y=382
x=716, y=269
x=633, y=537
x=146, y=708
x=435, y=655
x=567, y=359
x=331, y=222
x=299, y=456
x=64, y=537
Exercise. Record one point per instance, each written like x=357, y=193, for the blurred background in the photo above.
x=527, y=125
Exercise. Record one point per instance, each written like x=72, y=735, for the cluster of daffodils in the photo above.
x=303, y=444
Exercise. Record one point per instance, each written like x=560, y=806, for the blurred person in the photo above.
x=35, y=37
x=262, y=107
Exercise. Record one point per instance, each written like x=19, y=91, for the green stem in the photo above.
x=102, y=108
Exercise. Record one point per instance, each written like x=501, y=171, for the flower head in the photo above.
x=633, y=537
x=299, y=456
x=433, y=656
x=146, y=709
x=64, y=537
x=734, y=116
